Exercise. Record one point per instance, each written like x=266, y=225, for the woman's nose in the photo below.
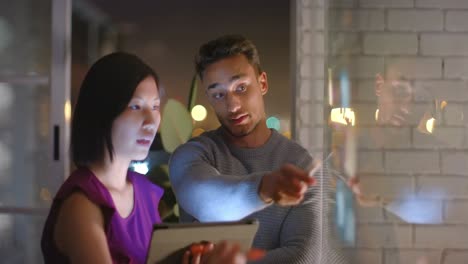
x=151, y=120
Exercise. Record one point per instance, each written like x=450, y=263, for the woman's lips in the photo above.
x=143, y=142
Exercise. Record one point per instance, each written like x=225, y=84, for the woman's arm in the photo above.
x=79, y=232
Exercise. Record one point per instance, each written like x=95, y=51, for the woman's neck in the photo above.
x=112, y=174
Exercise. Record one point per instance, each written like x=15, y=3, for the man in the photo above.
x=243, y=169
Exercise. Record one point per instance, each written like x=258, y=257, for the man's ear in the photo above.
x=263, y=80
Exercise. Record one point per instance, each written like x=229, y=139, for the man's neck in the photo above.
x=256, y=138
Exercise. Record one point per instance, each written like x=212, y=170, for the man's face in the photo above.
x=394, y=101
x=236, y=94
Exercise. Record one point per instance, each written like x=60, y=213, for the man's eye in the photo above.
x=134, y=107
x=156, y=107
x=217, y=95
x=241, y=88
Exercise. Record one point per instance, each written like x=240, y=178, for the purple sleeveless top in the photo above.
x=128, y=238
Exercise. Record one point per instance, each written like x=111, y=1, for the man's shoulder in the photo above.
x=206, y=139
x=207, y=142
x=293, y=152
x=290, y=144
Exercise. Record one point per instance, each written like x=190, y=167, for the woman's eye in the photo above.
x=156, y=107
x=134, y=107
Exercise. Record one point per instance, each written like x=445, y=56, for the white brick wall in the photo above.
x=456, y=68
x=315, y=41
x=442, y=187
x=386, y=3
x=370, y=214
x=444, y=44
x=456, y=21
x=365, y=90
x=388, y=187
x=455, y=256
x=310, y=67
x=454, y=114
x=311, y=114
x=412, y=256
x=455, y=163
x=445, y=4
x=351, y=40
x=412, y=162
x=442, y=138
x=449, y=90
x=366, y=67
x=416, y=67
x=384, y=235
x=441, y=236
x=456, y=211
x=426, y=42
x=370, y=162
x=364, y=255
x=372, y=20
x=415, y=20
x=390, y=43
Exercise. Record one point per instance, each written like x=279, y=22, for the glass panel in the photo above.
x=24, y=145
x=398, y=133
x=20, y=237
x=26, y=185
x=25, y=37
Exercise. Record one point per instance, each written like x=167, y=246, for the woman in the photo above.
x=104, y=213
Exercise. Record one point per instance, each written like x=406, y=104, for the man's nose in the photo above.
x=233, y=103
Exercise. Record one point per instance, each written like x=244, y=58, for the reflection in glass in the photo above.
x=410, y=135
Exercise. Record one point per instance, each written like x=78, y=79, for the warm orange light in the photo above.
x=430, y=125
x=67, y=111
x=343, y=116
x=197, y=131
x=443, y=104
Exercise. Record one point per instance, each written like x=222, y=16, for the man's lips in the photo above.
x=238, y=119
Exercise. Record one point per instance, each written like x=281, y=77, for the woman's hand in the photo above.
x=224, y=252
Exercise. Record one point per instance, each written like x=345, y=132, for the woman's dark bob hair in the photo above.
x=104, y=94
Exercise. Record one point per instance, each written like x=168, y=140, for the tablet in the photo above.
x=168, y=241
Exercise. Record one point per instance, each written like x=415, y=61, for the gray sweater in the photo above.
x=216, y=181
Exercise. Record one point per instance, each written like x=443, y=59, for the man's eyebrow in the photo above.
x=233, y=78
x=213, y=85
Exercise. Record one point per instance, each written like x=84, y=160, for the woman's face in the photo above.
x=134, y=129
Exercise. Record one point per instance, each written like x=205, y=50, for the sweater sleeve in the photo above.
x=307, y=235
x=206, y=194
x=298, y=236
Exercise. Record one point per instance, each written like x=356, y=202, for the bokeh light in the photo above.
x=430, y=125
x=199, y=113
x=274, y=123
x=67, y=111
